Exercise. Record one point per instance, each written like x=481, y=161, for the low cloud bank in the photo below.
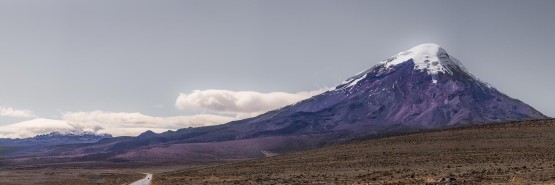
x=123, y=119
x=117, y=124
x=34, y=127
x=241, y=103
x=11, y=112
x=235, y=104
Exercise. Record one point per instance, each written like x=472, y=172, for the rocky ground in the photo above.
x=514, y=153
x=64, y=174
x=67, y=176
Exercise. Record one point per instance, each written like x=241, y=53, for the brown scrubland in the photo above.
x=508, y=153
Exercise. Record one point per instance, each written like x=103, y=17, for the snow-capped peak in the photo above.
x=75, y=133
x=430, y=57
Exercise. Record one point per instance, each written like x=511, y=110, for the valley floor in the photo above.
x=514, y=153
x=511, y=153
x=65, y=175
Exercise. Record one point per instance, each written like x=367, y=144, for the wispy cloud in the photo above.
x=239, y=102
x=115, y=123
x=11, y=112
x=131, y=124
x=106, y=120
x=34, y=127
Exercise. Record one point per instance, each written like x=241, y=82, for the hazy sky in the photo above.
x=105, y=59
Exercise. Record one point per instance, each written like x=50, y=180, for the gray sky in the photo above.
x=61, y=56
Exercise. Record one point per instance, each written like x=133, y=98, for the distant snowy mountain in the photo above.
x=81, y=136
x=60, y=138
x=45, y=141
x=31, y=128
x=42, y=127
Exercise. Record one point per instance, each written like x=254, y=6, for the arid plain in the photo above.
x=513, y=153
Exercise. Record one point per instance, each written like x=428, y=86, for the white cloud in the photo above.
x=109, y=119
x=242, y=103
x=11, y=112
x=123, y=123
x=117, y=124
x=34, y=127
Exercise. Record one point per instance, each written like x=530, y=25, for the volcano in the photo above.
x=421, y=89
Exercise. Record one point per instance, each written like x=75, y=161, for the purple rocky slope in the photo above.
x=422, y=88
x=419, y=89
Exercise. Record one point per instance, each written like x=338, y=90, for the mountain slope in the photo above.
x=420, y=89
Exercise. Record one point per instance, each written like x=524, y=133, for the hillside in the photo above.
x=514, y=152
